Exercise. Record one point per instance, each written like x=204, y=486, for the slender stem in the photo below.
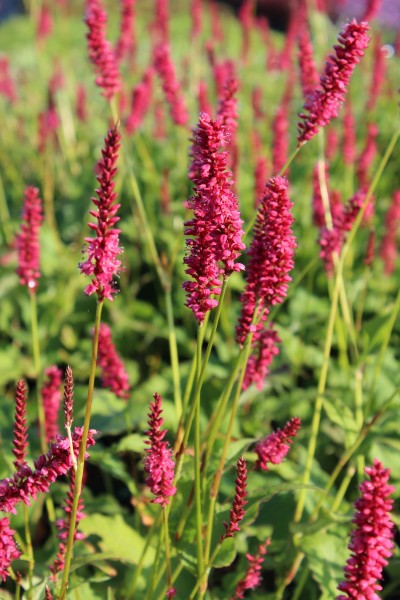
x=29, y=551
x=343, y=488
x=197, y=461
x=153, y=579
x=154, y=527
x=82, y=451
x=167, y=547
x=173, y=350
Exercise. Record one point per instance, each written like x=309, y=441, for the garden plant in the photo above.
x=199, y=334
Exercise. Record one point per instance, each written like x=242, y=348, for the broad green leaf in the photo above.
x=226, y=554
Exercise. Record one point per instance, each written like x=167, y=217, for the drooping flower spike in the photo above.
x=158, y=463
x=372, y=540
x=28, y=245
x=113, y=373
x=324, y=104
x=26, y=483
x=102, y=261
x=274, y=448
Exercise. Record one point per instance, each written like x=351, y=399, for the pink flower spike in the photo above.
x=216, y=229
x=26, y=483
x=20, y=428
x=158, y=462
x=51, y=395
x=308, y=71
x=371, y=541
x=140, y=101
x=8, y=547
x=270, y=254
x=275, y=447
x=388, y=250
x=113, y=373
x=324, y=104
x=171, y=593
x=264, y=348
x=239, y=501
x=102, y=251
x=100, y=52
x=7, y=87
x=126, y=42
x=252, y=579
x=28, y=239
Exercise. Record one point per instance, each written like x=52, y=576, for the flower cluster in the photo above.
x=28, y=239
x=270, y=255
x=275, y=447
x=100, y=51
x=26, y=483
x=372, y=540
x=252, y=579
x=239, y=501
x=158, y=463
x=113, y=373
x=8, y=547
x=141, y=98
x=308, y=71
x=388, y=250
x=20, y=428
x=216, y=229
x=126, y=40
x=51, y=395
x=324, y=104
x=103, y=250
x=7, y=87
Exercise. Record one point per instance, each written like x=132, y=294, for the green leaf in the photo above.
x=226, y=554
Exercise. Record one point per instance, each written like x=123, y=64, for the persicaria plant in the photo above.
x=199, y=229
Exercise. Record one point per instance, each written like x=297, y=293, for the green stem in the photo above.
x=343, y=488
x=167, y=547
x=29, y=551
x=155, y=569
x=173, y=350
x=197, y=460
x=132, y=588
x=82, y=451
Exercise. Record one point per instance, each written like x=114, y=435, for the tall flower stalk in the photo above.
x=102, y=264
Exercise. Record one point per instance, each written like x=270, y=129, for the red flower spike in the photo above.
x=388, y=250
x=165, y=69
x=252, y=579
x=8, y=547
x=237, y=512
x=270, y=255
x=113, y=373
x=275, y=447
x=308, y=71
x=126, y=42
x=158, y=463
x=51, y=395
x=26, y=483
x=324, y=104
x=28, y=239
x=372, y=540
x=216, y=229
x=140, y=101
x=100, y=51
x=264, y=348
x=20, y=428
x=102, y=251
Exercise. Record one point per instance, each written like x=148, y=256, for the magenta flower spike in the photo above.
x=308, y=71
x=264, y=349
x=270, y=255
x=165, y=69
x=140, y=101
x=252, y=578
x=26, y=483
x=7, y=87
x=215, y=231
x=102, y=261
x=275, y=447
x=100, y=51
x=349, y=149
x=20, y=441
x=8, y=547
x=113, y=373
x=324, y=104
x=126, y=42
x=51, y=395
x=371, y=541
x=28, y=239
x=158, y=462
x=239, y=501
x=280, y=147
x=389, y=246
